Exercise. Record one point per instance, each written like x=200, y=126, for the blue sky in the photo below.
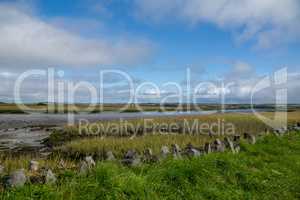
x=151, y=40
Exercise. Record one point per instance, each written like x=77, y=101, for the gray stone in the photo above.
x=236, y=138
x=191, y=151
x=148, y=156
x=131, y=158
x=110, y=156
x=237, y=148
x=17, y=178
x=33, y=166
x=164, y=151
x=50, y=177
x=229, y=144
x=83, y=167
x=90, y=161
x=297, y=128
x=207, y=148
x=279, y=131
x=218, y=146
x=176, y=151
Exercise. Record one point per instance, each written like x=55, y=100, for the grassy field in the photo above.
x=269, y=169
x=11, y=108
x=184, y=125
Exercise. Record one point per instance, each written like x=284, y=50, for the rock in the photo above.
x=164, y=151
x=236, y=138
x=191, y=151
x=176, y=151
x=218, y=146
x=237, y=148
x=149, y=157
x=297, y=128
x=33, y=166
x=229, y=144
x=83, y=167
x=50, y=177
x=17, y=179
x=131, y=158
x=207, y=148
x=90, y=161
x=148, y=154
x=280, y=131
x=1, y=169
x=110, y=156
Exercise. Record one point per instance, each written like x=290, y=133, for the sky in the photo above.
x=156, y=48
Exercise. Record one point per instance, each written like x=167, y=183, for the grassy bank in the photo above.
x=268, y=170
x=191, y=125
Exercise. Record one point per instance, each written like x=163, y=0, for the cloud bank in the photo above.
x=27, y=41
x=267, y=22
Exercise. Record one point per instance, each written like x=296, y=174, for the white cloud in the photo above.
x=269, y=22
x=27, y=41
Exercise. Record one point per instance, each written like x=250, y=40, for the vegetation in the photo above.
x=119, y=145
x=268, y=170
x=242, y=122
x=98, y=108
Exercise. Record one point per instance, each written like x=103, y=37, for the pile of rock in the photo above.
x=19, y=178
x=285, y=130
x=131, y=158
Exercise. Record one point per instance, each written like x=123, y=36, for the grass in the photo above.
x=268, y=170
x=66, y=108
x=242, y=122
x=97, y=146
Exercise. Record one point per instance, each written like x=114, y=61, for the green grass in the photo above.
x=268, y=170
x=242, y=123
x=120, y=145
